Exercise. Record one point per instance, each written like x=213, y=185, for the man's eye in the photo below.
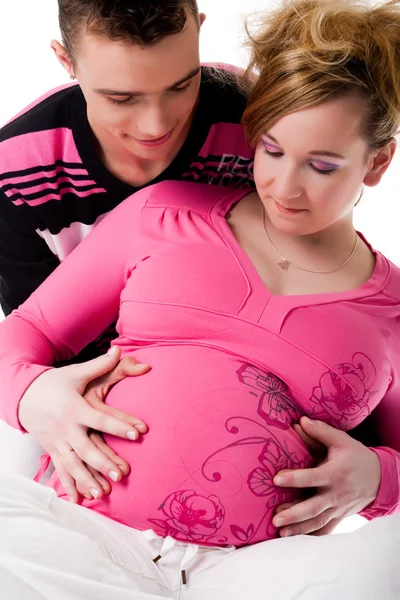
x=182, y=89
x=119, y=100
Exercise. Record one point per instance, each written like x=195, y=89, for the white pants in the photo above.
x=51, y=549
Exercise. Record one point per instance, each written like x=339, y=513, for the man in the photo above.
x=143, y=111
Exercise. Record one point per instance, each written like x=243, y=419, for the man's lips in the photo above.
x=155, y=141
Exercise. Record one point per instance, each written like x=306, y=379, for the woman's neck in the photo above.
x=326, y=252
x=320, y=251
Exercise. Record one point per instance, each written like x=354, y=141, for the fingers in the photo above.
x=328, y=528
x=128, y=367
x=82, y=478
x=105, y=422
x=99, y=387
x=286, y=505
x=324, y=433
x=304, y=478
x=308, y=510
x=97, y=367
x=108, y=451
x=313, y=445
x=90, y=454
x=78, y=477
x=312, y=526
x=137, y=424
x=104, y=483
x=67, y=481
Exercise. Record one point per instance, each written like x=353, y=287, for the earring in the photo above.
x=72, y=76
x=359, y=197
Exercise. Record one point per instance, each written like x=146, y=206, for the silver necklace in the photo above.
x=285, y=264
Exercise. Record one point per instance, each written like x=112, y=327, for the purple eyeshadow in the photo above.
x=271, y=147
x=322, y=165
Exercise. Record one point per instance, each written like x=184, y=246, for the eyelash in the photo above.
x=114, y=101
x=182, y=89
x=126, y=100
x=319, y=171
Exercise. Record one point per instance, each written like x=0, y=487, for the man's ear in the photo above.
x=62, y=57
x=202, y=18
x=380, y=163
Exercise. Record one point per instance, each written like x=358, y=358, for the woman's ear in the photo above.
x=380, y=163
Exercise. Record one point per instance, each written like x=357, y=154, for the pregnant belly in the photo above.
x=219, y=431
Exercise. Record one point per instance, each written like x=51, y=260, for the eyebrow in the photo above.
x=110, y=92
x=315, y=152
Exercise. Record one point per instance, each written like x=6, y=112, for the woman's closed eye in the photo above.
x=323, y=168
x=272, y=150
x=320, y=167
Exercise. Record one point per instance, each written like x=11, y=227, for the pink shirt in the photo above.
x=233, y=366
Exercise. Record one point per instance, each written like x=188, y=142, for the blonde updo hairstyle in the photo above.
x=310, y=51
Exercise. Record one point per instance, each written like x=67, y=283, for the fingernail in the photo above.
x=141, y=427
x=113, y=475
x=132, y=435
x=279, y=522
x=309, y=421
x=279, y=480
x=94, y=492
x=112, y=350
x=288, y=532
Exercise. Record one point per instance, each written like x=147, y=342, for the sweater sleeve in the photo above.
x=72, y=307
x=25, y=259
x=386, y=418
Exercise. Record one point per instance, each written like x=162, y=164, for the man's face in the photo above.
x=139, y=99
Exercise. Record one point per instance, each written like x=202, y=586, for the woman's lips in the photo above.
x=288, y=211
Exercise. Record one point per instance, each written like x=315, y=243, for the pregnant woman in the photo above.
x=253, y=308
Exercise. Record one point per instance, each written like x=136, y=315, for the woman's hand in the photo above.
x=345, y=482
x=62, y=404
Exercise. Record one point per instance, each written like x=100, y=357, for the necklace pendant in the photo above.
x=284, y=265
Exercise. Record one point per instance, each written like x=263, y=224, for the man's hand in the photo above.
x=62, y=405
x=345, y=482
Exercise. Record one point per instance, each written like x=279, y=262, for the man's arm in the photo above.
x=25, y=259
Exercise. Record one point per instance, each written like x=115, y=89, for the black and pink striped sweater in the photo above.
x=54, y=188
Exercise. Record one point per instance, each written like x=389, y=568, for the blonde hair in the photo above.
x=310, y=51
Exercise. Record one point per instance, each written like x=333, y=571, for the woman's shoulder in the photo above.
x=198, y=197
x=385, y=278
x=392, y=283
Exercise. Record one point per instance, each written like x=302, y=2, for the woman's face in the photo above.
x=310, y=166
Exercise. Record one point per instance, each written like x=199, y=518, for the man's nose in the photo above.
x=153, y=123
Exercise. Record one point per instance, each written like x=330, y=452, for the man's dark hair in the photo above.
x=142, y=22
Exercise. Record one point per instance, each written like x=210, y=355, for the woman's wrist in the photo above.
x=31, y=375
x=387, y=498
